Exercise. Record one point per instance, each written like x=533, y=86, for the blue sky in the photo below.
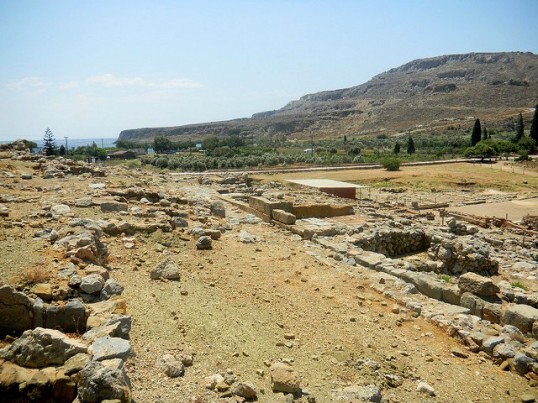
x=93, y=68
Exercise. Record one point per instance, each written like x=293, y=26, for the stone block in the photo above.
x=451, y=294
x=321, y=210
x=474, y=303
x=477, y=284
x=369, y=259
x=520, y=316
x=266, y=206
x=429, y=286
x=284, y=217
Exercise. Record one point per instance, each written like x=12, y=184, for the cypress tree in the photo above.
x=534, y=126
x=485, y=134
x=396, y=149
x=410, y=146
x=49, y=146
x=520, y=129
x=476, y=135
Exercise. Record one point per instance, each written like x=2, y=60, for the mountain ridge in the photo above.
x=423, y=94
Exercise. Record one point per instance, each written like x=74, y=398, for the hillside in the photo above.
x=425, y=94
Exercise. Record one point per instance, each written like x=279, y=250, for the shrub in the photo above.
x=391, y=164
x=34, y=275
x=133, y=164
x=518, y=284
x=523, y=156
x=161, y=162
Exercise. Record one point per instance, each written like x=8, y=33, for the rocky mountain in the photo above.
x=426, y=94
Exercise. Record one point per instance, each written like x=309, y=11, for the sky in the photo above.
x=90, y=69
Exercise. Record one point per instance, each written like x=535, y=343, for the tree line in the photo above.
x=484, y=146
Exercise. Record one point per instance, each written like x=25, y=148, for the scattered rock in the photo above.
x=113, y=207
x=171, y=366
x=167, y=269
x=204, y=243
x=84, y=202
x=244, y=389
x=370, y=393
x=423, y=387
x=284, y=378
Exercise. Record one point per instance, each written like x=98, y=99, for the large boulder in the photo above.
x=105, y=380
x=41, y=347
x=15, y=310
x=218, y=209
x=107, y=347
x=92, y=284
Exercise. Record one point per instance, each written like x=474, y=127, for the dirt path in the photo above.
x=240, y=305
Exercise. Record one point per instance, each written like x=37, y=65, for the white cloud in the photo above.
x=110, y=80
x=70, y=85
x=180, y=83
x=29, y=83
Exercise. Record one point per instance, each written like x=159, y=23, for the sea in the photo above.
x=74, y=143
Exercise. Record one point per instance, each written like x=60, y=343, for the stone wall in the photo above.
x=393, y=241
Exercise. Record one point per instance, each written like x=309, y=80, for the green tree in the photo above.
x=481, y=150
x=49, y=144
x=62, y=150
x=520, y=129
x=396, y=149
x=527, y=144
x=162, y=144
x=534, y=126
x=410, y=146
x=476, y=135
x=210, y=143
x=485, y=134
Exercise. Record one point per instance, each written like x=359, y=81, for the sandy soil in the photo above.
x=512, y=210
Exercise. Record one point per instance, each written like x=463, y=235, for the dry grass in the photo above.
x=34, y=275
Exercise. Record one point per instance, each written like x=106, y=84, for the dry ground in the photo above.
x=240, y=306
x=501, y=176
